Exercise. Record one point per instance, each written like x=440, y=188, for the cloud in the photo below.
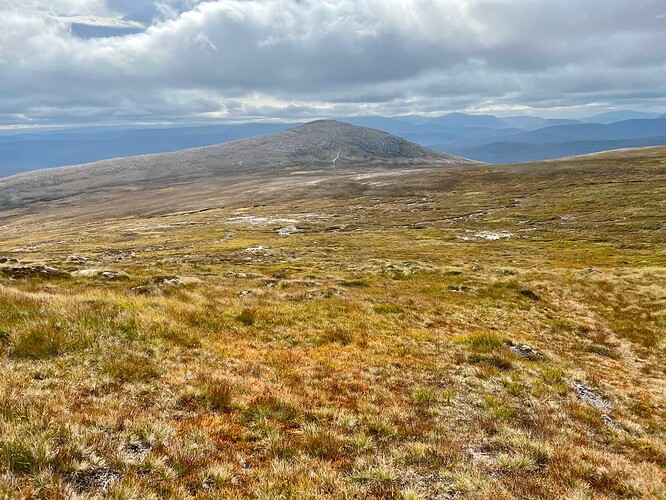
x=103, y=22
x=195, y=60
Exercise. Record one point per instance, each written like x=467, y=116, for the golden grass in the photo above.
x=368, y=360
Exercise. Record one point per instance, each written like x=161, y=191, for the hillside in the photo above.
x=322, y=146
x=479, y=331
x=33, y=151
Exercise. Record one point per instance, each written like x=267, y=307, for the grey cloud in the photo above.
x=287, y=58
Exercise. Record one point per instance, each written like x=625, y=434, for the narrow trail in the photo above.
x=336, y=159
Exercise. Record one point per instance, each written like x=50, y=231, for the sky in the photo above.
x=193, y=61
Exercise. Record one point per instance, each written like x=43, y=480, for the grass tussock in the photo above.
x=130, y=367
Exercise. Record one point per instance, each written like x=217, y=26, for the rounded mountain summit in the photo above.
x=322, y=146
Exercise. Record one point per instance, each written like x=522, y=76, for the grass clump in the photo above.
x=321, y=442
x=38, y=344
x=485, y=342
x=130, y=367
x=247, y=317
x=425, y=396
x=603, y=350
x=19, y=456
x=210, y=393
x=47, y=341
x=339, y=335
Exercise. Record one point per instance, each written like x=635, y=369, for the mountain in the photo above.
x=628, y=129
x=618, y=116
x=23, y=152
x=563, y=140
x=322, y=146
x=47, y=149
x=526, y=122
x=516, y=152
x=462, y=120
x=455, y=132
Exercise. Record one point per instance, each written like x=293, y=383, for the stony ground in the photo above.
x=475, y=333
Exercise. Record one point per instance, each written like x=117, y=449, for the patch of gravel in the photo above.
x=488, y=235
x=290, y=230
x=87, y=480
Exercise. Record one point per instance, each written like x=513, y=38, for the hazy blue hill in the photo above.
x=560, y=141
x=618, y=116
x=514, y=152
x=534, y=122
x=629, y=129
x=465, y=120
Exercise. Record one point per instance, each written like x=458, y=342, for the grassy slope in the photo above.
x=366, y=356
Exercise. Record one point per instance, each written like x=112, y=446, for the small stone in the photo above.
x=113, y=275
x=526, y=351
x=613, y=424
x=78, y=259
x=590, y=396
x=166, y=280
x=110, y=275
x=589, y=271
x=290, y=230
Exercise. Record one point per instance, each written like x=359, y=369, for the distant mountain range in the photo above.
x=562, y=140
x=481, y=137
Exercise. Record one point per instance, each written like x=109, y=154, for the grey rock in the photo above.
x=166, y=280
x=613, y=424
x=143, y=290
x=36, y=271
x=529, y=294
x=290, y=230
x=78, y=259
x=589, y=396
x=526, y=351
x=113, y=275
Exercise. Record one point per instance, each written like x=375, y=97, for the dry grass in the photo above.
x=372, y=355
